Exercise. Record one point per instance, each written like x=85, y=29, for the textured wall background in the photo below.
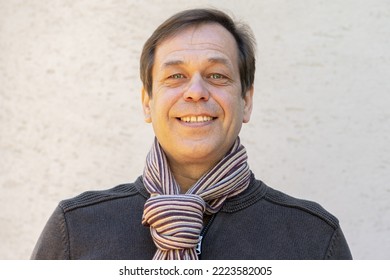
x=71, y=119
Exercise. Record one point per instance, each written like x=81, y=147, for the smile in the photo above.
x=196, y=119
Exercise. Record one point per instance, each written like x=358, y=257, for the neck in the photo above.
x=186, y=175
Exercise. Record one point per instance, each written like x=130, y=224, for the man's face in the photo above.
x=196, y=107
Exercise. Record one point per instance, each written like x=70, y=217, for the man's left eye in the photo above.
x=216, y=76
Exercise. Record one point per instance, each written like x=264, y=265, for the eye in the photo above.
x=177, y=76
x=218, y=79
x=216, y=76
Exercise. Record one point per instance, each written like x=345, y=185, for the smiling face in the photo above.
x=197, y=108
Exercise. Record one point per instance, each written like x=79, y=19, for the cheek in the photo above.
x=155, y=110
x=233, y=108
x=160, y=107
x=168, y=102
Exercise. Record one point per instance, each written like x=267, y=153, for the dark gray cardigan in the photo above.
x=260, y=223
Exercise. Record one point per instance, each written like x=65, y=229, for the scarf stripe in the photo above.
x=175, y=219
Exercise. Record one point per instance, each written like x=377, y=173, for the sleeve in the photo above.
x=338, y=247
x=53, y=243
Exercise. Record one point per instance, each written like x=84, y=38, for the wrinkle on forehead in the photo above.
x=212, y=38
x=227, y=36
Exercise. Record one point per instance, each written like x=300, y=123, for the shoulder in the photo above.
x=101, y=197
x=280, y=226
x=306, y=207
x=261, y=198
x=79, y=223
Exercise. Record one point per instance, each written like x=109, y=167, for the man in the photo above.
x=197, y=198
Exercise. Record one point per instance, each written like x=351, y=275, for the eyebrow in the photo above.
x=172, y=63
x=213, y=60
x=220, y=60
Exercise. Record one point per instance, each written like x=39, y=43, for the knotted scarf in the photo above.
x=175, y=219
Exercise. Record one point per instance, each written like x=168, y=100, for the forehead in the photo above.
x=205, y=41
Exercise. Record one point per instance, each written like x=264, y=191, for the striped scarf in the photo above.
x=175, y=219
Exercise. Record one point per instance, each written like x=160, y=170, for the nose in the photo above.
x=197, y=90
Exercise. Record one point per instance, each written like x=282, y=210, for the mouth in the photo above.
x=196, y=119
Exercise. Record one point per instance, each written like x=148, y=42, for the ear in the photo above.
x=146, y=106
x=248, y=104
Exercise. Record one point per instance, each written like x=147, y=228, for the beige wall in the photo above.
x=70, y=116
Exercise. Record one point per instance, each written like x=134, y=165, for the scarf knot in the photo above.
x=175, y=220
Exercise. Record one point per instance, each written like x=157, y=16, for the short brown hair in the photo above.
x=178, y=22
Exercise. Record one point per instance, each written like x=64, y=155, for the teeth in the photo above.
x=196, y=119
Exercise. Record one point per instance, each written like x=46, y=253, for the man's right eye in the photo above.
x=176, y=76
